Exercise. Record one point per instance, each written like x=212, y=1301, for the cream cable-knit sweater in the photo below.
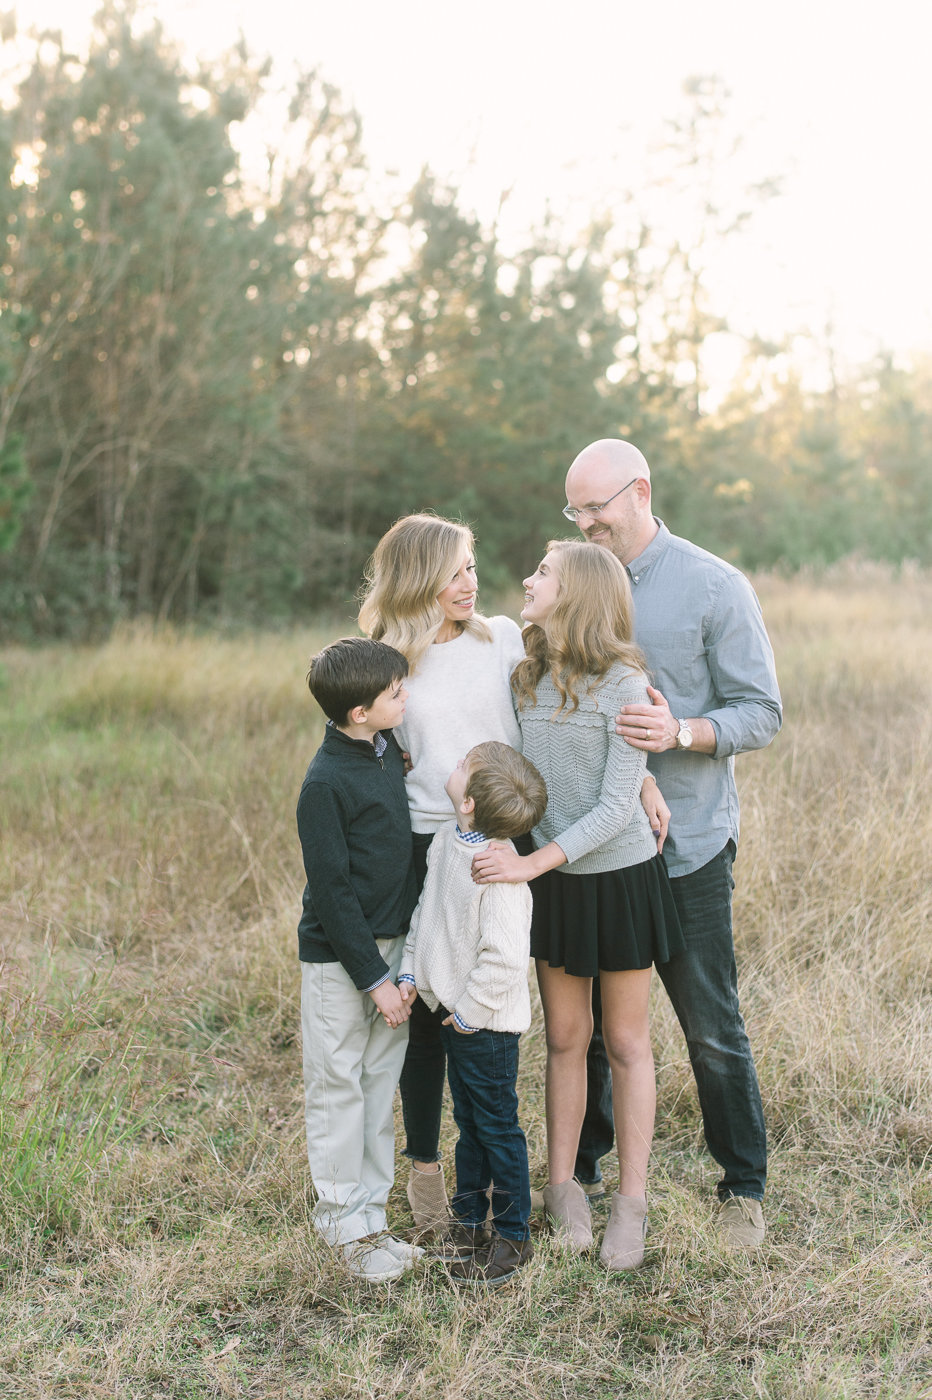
x=459, y=696
x=468, y=945
x=593, y=777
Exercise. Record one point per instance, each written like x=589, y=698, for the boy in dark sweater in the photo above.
x=356, y=839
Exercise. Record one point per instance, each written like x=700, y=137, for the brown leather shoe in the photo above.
x=456, y=1243
x=495, y=1263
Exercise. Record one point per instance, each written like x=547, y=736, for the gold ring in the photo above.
x=647, y=732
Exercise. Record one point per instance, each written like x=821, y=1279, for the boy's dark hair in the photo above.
x=351, y=672
x=509, y=793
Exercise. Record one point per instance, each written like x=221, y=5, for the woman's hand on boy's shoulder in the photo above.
x=498, y=863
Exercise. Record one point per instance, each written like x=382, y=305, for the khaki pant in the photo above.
x=352, y=1062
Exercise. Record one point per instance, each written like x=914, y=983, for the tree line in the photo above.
x=221, y=379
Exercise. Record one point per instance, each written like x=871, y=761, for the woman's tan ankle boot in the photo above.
x=427, y=1196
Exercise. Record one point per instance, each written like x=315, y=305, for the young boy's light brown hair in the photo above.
x=509, y=793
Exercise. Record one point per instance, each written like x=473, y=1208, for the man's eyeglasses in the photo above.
x=574, y=512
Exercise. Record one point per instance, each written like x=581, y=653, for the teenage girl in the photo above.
x=602, y=901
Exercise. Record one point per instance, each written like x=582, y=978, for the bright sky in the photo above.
x=558, y=102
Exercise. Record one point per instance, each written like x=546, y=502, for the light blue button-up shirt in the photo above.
x=698, y=622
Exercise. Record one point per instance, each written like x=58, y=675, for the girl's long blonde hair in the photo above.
x=412, y=563
x=590, y=627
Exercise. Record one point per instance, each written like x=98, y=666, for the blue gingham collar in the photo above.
x=472, y=838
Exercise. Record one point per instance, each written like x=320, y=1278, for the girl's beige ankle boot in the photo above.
x=623, y=1242
x=568, y=1210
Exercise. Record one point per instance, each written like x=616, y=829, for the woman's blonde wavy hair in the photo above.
x=412, y=563
x=590, y=627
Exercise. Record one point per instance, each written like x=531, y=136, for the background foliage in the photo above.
x=221, y=379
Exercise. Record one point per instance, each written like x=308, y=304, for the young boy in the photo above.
x=356, y=839
x=468, y=951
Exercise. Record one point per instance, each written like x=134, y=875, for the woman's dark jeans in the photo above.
x=422, y=1080
x=702, y=985
x=425, y=1066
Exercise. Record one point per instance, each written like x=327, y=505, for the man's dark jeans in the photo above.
x=483, y=1070
x=702, y=984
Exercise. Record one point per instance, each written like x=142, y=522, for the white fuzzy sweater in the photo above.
x=459, y=696
x=468, y=945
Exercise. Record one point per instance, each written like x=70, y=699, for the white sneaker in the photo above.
x=409, y=1254
x=370, y=1260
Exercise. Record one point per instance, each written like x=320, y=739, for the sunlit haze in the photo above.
x=561, y=107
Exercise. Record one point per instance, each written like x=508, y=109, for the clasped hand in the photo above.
x=394, y=1002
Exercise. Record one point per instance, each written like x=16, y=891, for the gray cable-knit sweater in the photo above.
x=593, y=777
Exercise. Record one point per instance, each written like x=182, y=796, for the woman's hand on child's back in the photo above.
x=500, y=863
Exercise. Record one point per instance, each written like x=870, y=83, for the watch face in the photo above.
x=685, y=737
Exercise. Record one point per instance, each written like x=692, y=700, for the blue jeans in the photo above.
x=702, y=984
x=424, y=1072
x=483, y=1071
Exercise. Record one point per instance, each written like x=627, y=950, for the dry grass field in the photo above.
x=154, y=1235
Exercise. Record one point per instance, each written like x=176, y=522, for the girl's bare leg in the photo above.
x=567, y=1003
x=626, y=1032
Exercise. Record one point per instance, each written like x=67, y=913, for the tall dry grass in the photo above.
x=154, y=1234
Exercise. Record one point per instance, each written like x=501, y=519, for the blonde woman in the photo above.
x=602, y=901
x=421, y=598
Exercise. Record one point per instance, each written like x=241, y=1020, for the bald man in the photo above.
x=699, y=624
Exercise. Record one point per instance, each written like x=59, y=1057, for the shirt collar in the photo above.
x=639, y=566
x=379, y=741
x=472, y=838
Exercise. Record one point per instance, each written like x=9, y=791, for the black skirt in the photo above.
x=612, y=922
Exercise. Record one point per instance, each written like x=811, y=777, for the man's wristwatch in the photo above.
x=684, y=735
